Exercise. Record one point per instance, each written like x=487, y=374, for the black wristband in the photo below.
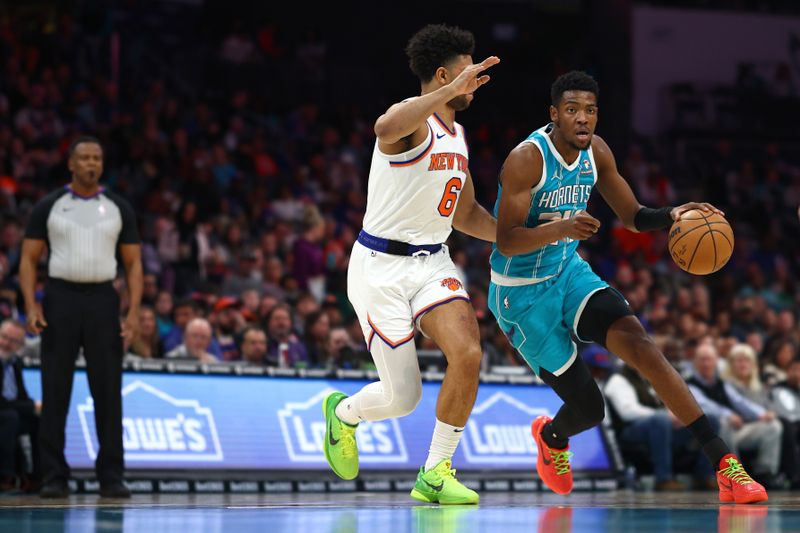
x=648, y=219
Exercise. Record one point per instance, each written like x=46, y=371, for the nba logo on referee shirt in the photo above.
x=303, y=429
x=499, y=431
x=157, y=427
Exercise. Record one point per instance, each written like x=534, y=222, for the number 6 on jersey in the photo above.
x=450, y=197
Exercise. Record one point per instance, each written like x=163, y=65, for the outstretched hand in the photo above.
x=702, y=206
x=469, y=80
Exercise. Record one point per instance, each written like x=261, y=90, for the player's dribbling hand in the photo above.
x=581, y=226
x=35, y=322
x=469, y=80
x=702, y=206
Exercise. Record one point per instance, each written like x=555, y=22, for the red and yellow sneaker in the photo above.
x=552, y=464
x=736, y=485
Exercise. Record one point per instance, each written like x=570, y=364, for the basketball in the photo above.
x=701, y=242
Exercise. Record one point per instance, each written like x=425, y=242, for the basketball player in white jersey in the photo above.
x=401, y=275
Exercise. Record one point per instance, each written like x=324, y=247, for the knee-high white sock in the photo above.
x=348, y=411
x=394, y=395
x=444, y=443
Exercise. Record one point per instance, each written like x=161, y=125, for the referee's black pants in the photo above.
x=81, y=315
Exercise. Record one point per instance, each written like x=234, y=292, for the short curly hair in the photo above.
x=435, y=45
x=572, y=81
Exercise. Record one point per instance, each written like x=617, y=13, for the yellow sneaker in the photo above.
x=340, y=439
x=439, y=485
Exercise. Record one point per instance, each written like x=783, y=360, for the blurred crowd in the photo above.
x=248, y=214
x=248, y=211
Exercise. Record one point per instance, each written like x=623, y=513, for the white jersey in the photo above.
x=411, y=197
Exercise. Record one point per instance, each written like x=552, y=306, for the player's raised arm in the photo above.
x=471, y=217
x=521, y=172
x=407, y=118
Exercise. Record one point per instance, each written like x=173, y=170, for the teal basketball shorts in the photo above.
x=539, y=319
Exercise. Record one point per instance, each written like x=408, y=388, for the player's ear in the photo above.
x=553, y=113
x=442, y=76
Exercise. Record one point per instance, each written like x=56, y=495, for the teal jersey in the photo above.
x=562, y=191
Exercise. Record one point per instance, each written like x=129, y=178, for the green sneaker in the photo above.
x=439, y=485
x=340, y=439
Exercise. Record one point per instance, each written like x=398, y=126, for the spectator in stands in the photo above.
x=756, y=341
x=163, y=309
x=150, y=290
x=254, y=346
x=316, y=338
x=250, y=298
x=786, y=400
x=742, y=372
x=342, y=352
x=309, y=263
x=304, y=306
x=744, y=320
x=228, y=323
x=10, y=242
x=778, y=360
x=265, y=306
x=247, y=275
x=146, y=343
x=744, y=424
x=642, y=422
x=283, y=349
x=785, y=330
x=184, y=312
x=333, y=308
x=18, y=413
x=196, y=343
x=273, y=274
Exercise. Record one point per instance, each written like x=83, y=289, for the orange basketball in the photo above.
x=701, y=242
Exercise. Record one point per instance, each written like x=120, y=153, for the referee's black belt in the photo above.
x=79, y=285
x=389, y=246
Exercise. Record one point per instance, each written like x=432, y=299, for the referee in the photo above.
x=84, y=226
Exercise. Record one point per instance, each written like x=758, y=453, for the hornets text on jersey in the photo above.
x=562, y=191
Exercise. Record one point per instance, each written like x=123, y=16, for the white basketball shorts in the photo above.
x=390, y=293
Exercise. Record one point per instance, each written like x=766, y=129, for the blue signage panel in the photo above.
x=183, y=421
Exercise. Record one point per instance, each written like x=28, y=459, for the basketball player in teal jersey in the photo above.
x=542, y=291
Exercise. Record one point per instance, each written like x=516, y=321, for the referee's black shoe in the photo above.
x=55, y=488
x=116, y=489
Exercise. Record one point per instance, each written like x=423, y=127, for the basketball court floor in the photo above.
x=625, y=511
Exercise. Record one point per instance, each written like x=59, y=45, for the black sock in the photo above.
x=713, y=447
x=552, y=438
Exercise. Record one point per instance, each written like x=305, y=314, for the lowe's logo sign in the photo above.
x=499, y=431
x=303, y=429
x=158, y=427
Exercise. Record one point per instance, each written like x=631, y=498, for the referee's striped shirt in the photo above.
x=83, y=233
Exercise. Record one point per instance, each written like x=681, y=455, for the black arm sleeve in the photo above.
x=648, y=219
x=37, y=223
x=130, y=232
